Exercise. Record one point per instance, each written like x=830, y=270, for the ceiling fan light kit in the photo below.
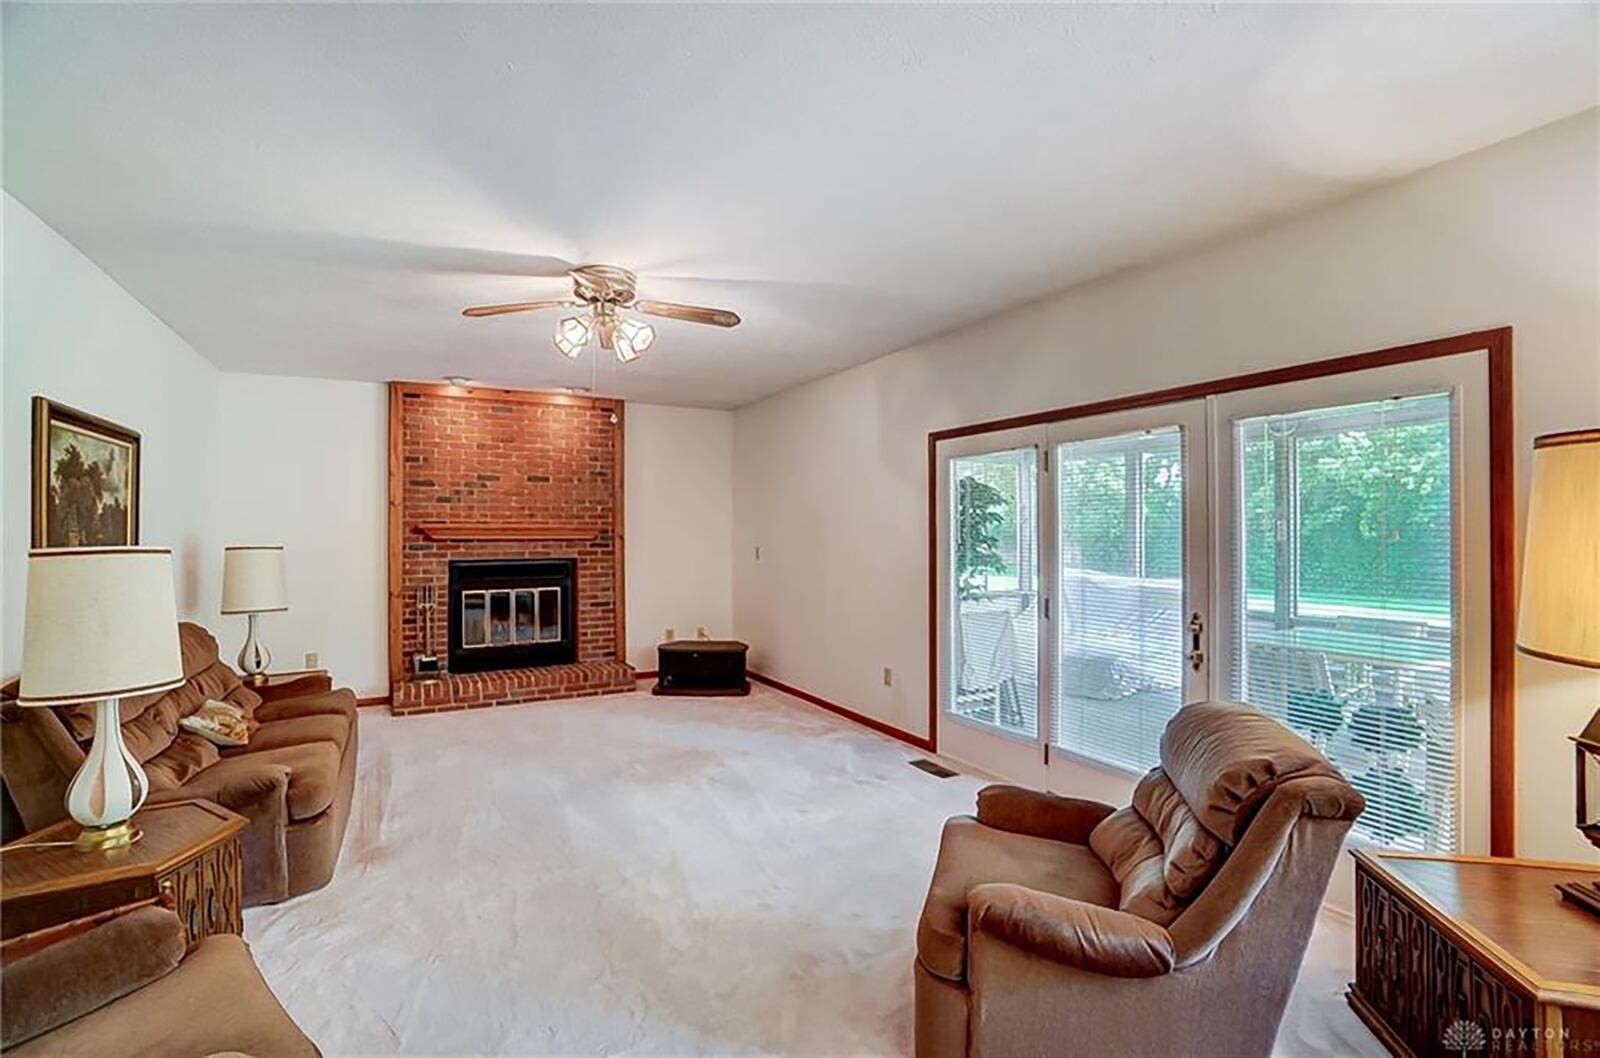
x=632, y=338
x=572, y=334
x=605, y=289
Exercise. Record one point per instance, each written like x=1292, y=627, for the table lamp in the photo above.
x=252, y=583
x=1559, y=618
x=101, y=623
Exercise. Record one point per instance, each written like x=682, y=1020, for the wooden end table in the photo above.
x=302, y=681
x=190, y=851
x=1475, y=955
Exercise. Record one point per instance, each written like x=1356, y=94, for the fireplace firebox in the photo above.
x=512, y=613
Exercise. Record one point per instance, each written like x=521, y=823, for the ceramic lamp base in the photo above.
x=109, y=787
x=254, y=657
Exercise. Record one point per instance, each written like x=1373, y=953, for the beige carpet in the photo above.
x=638, y=875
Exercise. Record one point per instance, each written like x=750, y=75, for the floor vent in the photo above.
x=933, y=767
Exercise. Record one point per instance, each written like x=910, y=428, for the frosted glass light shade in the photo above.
x=252, y=579
x=572, y=334
x=633, y=338
x=100, y=622
x=1559, y=618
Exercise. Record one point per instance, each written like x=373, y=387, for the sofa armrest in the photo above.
x=1089, y=937
x=58, y=975
x=1040, y=815
x=259, y=791
x=296, y=687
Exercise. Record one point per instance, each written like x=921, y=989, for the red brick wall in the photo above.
x=494, y=458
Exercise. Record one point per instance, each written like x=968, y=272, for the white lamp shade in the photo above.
x=1559, y=617
x=252, y=579
x=100, y=622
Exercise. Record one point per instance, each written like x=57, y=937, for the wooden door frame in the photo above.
x=1496, y=344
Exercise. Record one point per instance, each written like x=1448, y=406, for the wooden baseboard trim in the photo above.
x=645, y=674
x=381, y=699
x=849, y=714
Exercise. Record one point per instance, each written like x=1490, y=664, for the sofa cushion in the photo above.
x=972, y=854
x=188, y=755
x=1226, y=759
x=298, y=731
x=313, y=773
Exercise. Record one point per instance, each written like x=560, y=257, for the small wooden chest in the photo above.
x=701, y=667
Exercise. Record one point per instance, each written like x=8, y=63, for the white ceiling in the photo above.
x=319, y=190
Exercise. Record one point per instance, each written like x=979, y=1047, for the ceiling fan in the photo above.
x=604, y=289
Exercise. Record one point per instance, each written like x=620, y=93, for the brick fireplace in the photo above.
x=505, y=547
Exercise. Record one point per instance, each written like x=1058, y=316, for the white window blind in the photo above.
x=1344, y=552
x=1119, y=670
x=994, y=559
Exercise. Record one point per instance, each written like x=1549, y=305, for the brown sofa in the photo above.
x=293, y=782
x=1173, y=926
x=121, y=983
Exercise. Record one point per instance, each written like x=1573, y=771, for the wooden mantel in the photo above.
x=506, y=531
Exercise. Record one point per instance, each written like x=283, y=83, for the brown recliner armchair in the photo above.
x=294, y=781
x=1173, y=926
x=123, y=982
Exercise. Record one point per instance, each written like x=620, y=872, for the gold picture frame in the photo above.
x=85, y=479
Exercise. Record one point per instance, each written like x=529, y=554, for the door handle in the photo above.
x=1197, y=626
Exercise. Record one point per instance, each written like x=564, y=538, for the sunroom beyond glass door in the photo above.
x=1131, y=627
x=991, y=621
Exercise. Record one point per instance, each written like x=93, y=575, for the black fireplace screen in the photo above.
x=512, y=613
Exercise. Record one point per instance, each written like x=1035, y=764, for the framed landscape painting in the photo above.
x=85, y=479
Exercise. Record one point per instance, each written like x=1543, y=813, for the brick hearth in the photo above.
x=480, y=690
x=489, y=473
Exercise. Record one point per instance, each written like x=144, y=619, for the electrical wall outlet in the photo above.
x=312, y=657
x=702, y=633
x=671, y=636
x=888, y=676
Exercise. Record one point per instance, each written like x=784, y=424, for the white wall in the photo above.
x=304, y=463
x=73, y=335
x=830, y=478
x=678, y=511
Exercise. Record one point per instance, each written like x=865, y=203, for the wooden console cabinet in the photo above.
x=701, y=667
x=1474, y=955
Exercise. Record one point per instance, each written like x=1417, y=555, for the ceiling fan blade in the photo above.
x=688, y=313
x=519, y=306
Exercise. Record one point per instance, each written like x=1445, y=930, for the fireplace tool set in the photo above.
x=427, y=659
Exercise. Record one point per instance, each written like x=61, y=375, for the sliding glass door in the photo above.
x=1316, y=549
x=1074, y=577
x=990, y=620
x=1131, y=581
x=1354, y=602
